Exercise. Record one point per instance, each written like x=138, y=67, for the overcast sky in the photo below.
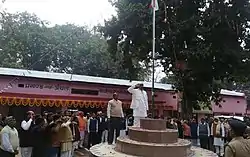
x=79, y=12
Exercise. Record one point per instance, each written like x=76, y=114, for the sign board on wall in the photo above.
x=56, y=87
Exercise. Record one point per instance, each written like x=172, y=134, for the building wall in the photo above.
x=62, y=90
x=230, y=105
x=58, y=89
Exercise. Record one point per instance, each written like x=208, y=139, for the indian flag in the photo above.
x=154, y=4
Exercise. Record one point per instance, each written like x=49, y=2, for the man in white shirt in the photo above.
x=139, y=103
x=115, y=114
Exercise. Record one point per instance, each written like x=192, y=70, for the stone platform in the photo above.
x=105, y=150
x=151, y=139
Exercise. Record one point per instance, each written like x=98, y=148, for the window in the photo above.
x=21, y=85
x=224, y=100
x=174, y=97
x=84, y=91
x=238, y=101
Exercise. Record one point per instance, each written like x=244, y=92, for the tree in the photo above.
x=200, y=42
x=170, y=79
x=28, y=42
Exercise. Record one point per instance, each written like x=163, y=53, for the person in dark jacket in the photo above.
x=39, y=138
x=194, y=127
x=92, y=130
x=102, y=127
x=180, y=129
x=26, y=136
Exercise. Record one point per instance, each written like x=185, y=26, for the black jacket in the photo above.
x=102, y=123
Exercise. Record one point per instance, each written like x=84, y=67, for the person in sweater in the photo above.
x=92, y=130
x=82, y=127
x=203, y=132
x=218, y=132
x=26, y=141
x=114, y=113
x=139, y=103
x=9, y=142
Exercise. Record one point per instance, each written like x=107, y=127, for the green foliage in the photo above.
x=28, y=42
x=207, y=36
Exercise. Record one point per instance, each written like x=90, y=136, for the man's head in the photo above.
x=56, y=117
x=202, y=120
x=67, y=113
x=80, y=113
x=30, y=115
x=247, y=132
x=99, y=113
x=39, y=121
x=216, y=120
x=10, y=121
x=140, y=86
x=115, y=96
x=238, y=128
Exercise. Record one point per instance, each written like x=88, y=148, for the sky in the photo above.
x=79, y=12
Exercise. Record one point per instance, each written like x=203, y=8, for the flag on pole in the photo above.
x=154, y=4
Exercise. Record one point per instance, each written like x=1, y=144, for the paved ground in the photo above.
x=79, y=153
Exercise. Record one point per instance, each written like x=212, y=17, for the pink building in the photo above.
x=45, y=91
x=233, y=103
x=55, y=91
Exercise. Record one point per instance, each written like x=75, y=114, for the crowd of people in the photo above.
x=60, y=134
x=53, y=135
x=211, y=133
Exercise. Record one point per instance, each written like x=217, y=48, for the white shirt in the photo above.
x=139, y=102
x=26, y=125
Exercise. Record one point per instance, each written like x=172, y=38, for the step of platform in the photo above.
x=105, y=150
x=127, y=146
x=153, y=136
x=153, y=124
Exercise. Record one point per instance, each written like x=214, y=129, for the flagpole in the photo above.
x=153, y=63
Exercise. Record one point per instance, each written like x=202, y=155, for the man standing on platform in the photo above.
x=114, y=113
x=139, y=103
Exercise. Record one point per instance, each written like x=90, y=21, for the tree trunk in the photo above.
x=186, y=107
